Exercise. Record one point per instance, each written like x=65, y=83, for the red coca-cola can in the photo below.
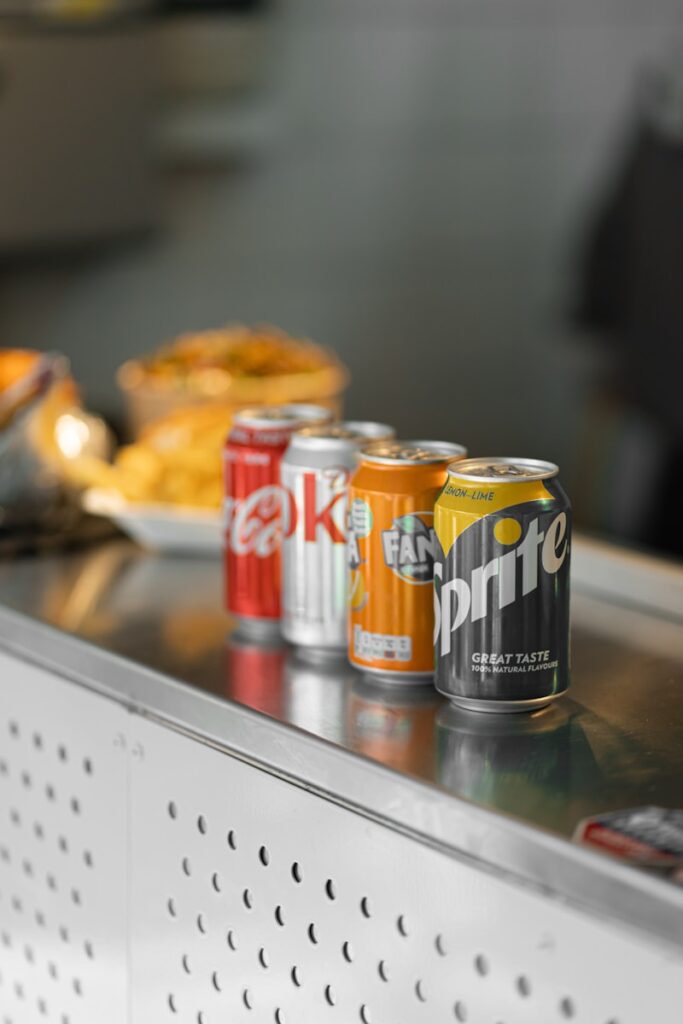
x=258, y=511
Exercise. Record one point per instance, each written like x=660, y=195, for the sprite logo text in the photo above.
x=408, y=548
x=458, y=599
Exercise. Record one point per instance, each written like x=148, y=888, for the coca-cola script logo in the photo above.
x=256, y=524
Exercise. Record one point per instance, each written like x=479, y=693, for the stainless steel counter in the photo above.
x=504, y=791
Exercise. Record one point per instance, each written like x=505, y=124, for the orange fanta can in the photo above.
x=391, y=555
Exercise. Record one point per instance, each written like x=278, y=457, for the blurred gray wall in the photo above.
x=408, y=186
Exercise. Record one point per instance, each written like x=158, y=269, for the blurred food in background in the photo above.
x=44, y=435
x=198, y=381
x=231, y=367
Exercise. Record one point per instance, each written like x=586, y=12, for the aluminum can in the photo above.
x=257, y=511
x=391, y=556
x=315, y=474
x=501, y=585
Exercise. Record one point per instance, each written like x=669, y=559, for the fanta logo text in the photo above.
x=256, y=524
x=408, y=549
x=460, y=600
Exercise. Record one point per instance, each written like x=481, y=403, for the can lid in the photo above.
x=271, y=417
x=412, y=453
x=502, y=470
x=345, y=434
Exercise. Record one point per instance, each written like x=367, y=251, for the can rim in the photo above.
x=426, y=452
x=342, y=434
x=274, y=417
x=466, y=469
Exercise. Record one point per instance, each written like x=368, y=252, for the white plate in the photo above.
x=160, y=527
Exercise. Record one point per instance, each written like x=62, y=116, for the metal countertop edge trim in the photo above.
x=532, y=857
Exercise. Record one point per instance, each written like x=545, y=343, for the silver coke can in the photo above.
x=315, y=471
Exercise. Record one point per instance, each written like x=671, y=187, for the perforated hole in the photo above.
x=216, y=881
x=329, y=995
x=567, y=1008
x=263, y=958
x=297, y=873
x=280, y=1017
x=460, y=1011
x=279, y=916
x=231, y=939
x=201, y=923
x=185, y=961
x=187, y=867
x=295, y=975
x=365, y=907
x=402, y=925
x=216, y=981
x=248, y=899
x=172, y=810
x=481, y=965
x=364, y=1013
x=232, y=840
x=247, y=999
x=330, y=889
x=201, y=824
x=264, y=856
x=170, y=905
x=312, y=934
x=523, y=986
x=347, y=952
x=172, y=1005
x=383, y=970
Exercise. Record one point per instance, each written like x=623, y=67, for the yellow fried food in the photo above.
x=177, y=460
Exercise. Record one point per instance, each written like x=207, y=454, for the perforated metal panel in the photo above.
x=63, y=835
x=257, y=901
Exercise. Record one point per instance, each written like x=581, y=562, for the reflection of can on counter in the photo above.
x=254, y=669
x=316, y=693
x=394, y=724
x=512, y=762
